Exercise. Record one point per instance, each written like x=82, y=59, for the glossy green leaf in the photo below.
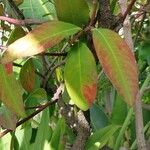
x=81, y=76
x=118, y=63
x=27, y=75
x=98, y=139
x=57, y=136
x=8, y=119
x=10, y=93
x=38, y=40
x=69, y=11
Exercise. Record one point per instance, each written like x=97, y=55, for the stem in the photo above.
x=129, y=115
x=124, y=127
x=133, y=146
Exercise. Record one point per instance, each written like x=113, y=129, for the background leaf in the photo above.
x=10, y=93
x=81, y=76
x=27, y=75
x=8, y=119
x=68, y=11
x=118, y=63
x=38, y=9
x=38, y=40
x=98, y=117
x=100, y=137
x=57, y=136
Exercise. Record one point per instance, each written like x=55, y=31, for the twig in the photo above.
x=51, y=72
x=54, y=100
x=21, y=22
x=126, y=25
x=29, y=117
x=18, y=12
x=138, y=107
x=56, y=54
x=93, y=16
x=128, y=9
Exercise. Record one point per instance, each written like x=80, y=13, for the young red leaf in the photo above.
x=81, y=76
x=38, y=40
x=68, y=11
x=27, y=75
x=10, y=92
x=118, y=63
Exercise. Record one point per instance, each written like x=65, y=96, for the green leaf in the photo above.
x=8, y=119
x=10, y=93
x=57, y=135
x=35, y=9
x=38, y=40
x=118, y=63
x=98, y=139
x=15, y=34
x=27, y=75
x=81, y=76
x=43, y=130
x=119, y=111
x=98, y=117
x=69, y=11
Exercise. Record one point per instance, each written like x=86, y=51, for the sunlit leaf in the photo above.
x=8, y=119
x=118, y=63
x=38, y=40
x=99, y=138
x=68, y=11
x=27, y=75
x=81, y=76
x=10, y=93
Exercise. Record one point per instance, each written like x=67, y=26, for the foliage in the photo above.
x=67, y=75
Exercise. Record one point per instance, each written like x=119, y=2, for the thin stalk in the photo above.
x=129, y=115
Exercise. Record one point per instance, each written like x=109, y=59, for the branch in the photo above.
x=138, y=106
x=18, y=12
x=77, y=122
x=128, y=9
x=93, y=16
x=21, y=22
x=53, y=101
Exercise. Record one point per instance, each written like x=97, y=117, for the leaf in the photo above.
x=81, y=76
x=15, y=34
x=98, y=139
x=57, y=135
x=68, y=11
x=118, y=63
x=36, y=9
x=8, y=119
x=38, y=40
x=10, y=93
x=43, y=130
x=98, y=117
x=119, y=112
x=27, y=75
